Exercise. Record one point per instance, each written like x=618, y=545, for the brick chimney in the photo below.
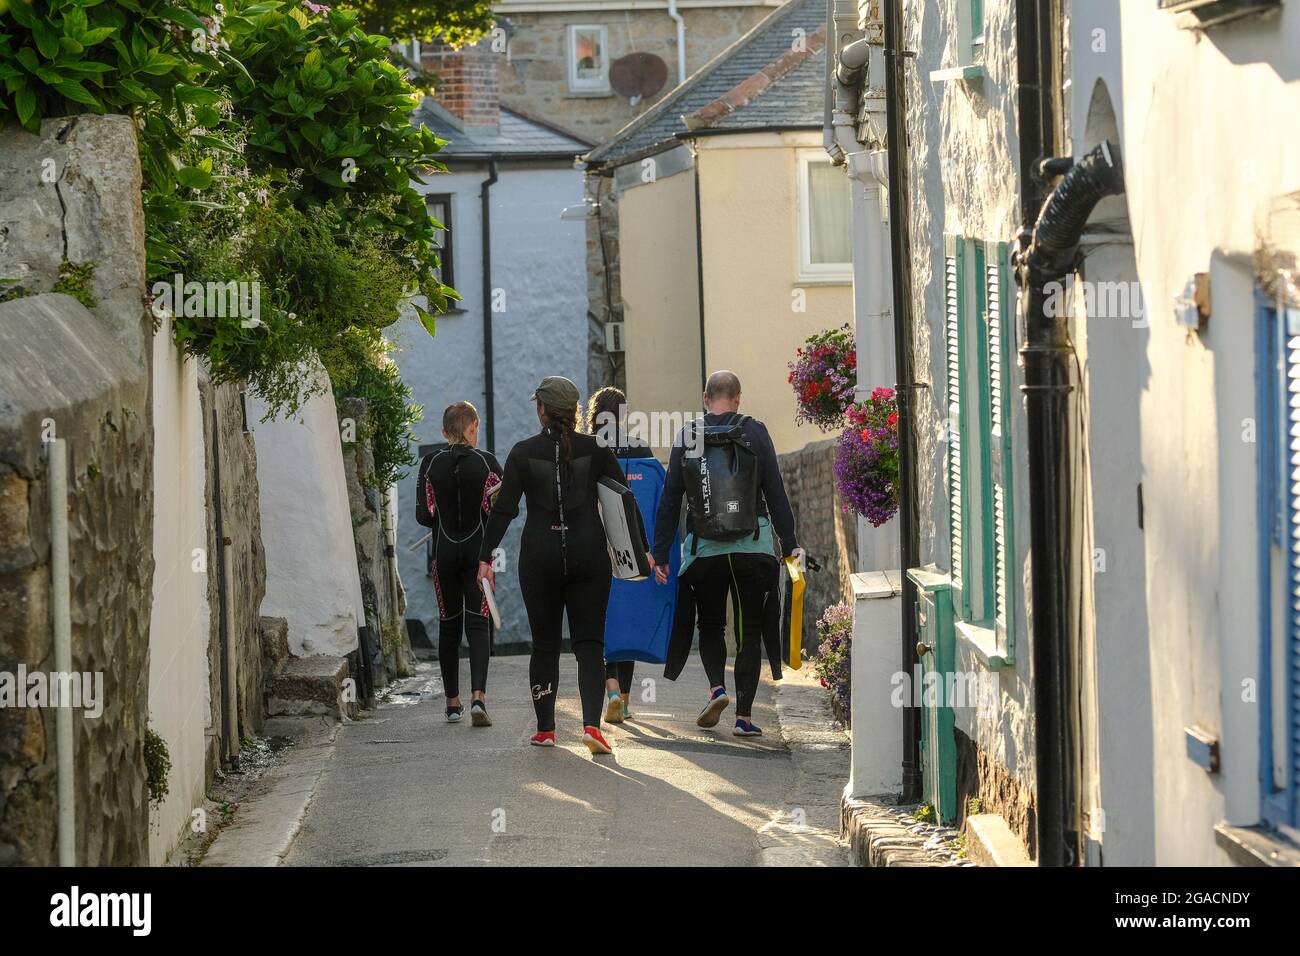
x=468, y=86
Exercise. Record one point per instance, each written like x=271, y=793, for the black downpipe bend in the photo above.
x=489, y=398
x=900, y=248
x=1045, y=356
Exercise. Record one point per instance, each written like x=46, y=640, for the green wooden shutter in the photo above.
x=1001, y=360
x=954, y=329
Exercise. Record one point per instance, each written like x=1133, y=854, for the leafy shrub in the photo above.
x=321, y=278
x=360, y=368
x=157, y=766
x=328, y=116
x=456, y=21
x=118, y=56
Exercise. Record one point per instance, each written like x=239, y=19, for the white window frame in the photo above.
x=587, y=86
x=825, y=273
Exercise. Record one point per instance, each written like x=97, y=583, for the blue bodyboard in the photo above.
x=640, y=616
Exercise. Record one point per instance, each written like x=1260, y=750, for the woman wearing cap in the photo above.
x=563, y=559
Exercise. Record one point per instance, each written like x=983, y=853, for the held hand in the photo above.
x=661, y=574
x=485, y=573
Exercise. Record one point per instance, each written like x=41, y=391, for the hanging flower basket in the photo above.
x=866, y=462
x=824, y=375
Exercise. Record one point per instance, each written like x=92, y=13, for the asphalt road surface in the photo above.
x=406, y=788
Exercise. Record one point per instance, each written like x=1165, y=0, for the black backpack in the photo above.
x=722, y=483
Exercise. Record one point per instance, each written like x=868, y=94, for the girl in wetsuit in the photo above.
x=454, y=491
x=637, y=614
x=563, y=559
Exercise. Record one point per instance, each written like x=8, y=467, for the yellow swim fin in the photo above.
x=795, y=597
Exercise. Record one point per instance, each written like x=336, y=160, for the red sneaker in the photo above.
x=543, y=738
x=595, y=742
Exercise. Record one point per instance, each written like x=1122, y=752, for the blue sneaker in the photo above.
x=746, y=729
x=714, y=708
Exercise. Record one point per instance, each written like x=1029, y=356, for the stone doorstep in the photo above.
x=990, y=842
x=307, y=686
x=876, y=838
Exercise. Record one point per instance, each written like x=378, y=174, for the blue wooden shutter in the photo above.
x=954, y=329
x=1290, y=676
x=1001, y=360
x=1279, y=528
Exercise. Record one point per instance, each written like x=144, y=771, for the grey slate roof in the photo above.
x=794, y=100
x=516, y=136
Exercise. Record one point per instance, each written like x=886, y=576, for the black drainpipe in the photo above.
x=489, y=403
x=699, y=266
x=1049, y=256
x=904, y=361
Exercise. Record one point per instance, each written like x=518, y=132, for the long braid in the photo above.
x=565, y=422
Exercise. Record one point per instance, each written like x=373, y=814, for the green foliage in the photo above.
x=121, y=56
x=157, y=765
x=925, y=813
x=359, y=367
x=324, y=276
x=456, y=21
x=74, y=280
x=328, y=116
x=276, y=148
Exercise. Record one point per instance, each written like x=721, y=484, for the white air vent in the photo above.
x=614, y=337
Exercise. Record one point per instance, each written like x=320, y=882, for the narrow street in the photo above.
x=403, y=787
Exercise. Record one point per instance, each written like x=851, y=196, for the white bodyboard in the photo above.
x=624, y=531
x=492, y=604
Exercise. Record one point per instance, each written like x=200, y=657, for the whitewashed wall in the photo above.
x=539, y=264
x=1204, y=209
x=964, y=180
x=311, y=561
x=179, y=689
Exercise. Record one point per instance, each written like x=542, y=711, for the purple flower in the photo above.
x=866, y=461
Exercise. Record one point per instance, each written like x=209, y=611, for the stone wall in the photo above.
x=604, y=291
x=825, y=531
x=382, y=594
x=67, y=373
x=63, y=372
x=534, y=78
x=231, y=458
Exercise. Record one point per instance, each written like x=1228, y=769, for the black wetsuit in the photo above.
x=745, y=578
x=563, y=564
x=453, y=495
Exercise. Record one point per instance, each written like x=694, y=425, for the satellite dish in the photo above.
x=638, y=75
